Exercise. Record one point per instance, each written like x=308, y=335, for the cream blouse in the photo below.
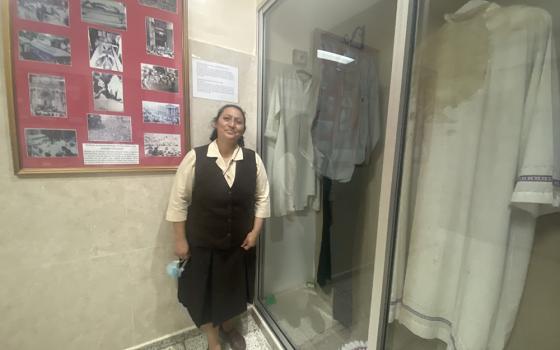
x=181, y=192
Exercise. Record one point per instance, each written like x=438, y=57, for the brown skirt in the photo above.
x=216, y=285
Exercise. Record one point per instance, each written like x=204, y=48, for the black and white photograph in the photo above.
x=160, y=113
x=43, y=47
x=159, y=78
x=105, y=12
x=47, y=143
x=162, y=145
x=47, y=96
x=107, y=92
x=46, y=11
x=112, y=128
x=166, y=5
x=159, y=37
x=105, y=50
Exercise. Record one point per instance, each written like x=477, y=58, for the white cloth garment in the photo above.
x=294, y=185
x=478, y=168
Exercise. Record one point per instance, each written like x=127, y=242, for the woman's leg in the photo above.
x=211, y=332
x=228, y=325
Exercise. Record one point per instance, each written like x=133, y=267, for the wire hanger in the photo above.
x=299, y=59
x=357, y=38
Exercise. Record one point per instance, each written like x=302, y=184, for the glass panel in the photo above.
x=327, y=66
x=476, y=261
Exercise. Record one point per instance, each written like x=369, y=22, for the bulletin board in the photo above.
x=96, y=85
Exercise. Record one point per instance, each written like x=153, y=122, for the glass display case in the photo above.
x=413, y=150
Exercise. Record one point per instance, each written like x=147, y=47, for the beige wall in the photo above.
x=228, y=24
x=82, y=258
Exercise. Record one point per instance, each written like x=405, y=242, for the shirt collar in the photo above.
x=214, y=152
x=469, y=11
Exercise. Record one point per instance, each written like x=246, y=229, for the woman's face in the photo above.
x=230, y=125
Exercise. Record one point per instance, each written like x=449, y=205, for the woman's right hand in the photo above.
x=182, y=249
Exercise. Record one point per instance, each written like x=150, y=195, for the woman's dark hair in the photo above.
x=214, y=134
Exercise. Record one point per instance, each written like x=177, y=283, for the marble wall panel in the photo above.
x=203, y=110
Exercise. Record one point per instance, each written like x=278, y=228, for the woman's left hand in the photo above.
x=250, y=240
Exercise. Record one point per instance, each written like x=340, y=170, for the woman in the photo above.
x=225, y=189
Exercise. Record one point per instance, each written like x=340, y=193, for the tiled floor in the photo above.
x=195, y=340
x=253, y=336
x=316, y=329
x=400, y=338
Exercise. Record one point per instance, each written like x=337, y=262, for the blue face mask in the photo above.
x=175, y=268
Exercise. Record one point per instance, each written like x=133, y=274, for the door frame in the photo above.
x=405, y=31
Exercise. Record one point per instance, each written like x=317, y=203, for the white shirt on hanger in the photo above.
x=294, y=186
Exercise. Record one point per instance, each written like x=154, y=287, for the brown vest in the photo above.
x=219, y=216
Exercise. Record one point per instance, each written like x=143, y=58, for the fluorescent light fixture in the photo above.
x=331, y=56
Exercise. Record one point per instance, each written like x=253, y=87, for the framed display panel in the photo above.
x=96, y=85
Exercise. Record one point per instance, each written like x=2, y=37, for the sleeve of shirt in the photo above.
x=262, y=200
x=273, y=115
x=536, y=188
x=374, y=110
x=181, y=192
x=368, y=135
